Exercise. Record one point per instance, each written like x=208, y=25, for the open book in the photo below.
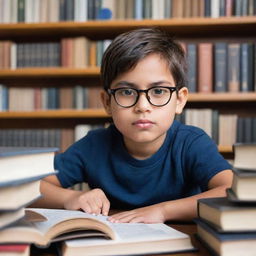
x=43, y=226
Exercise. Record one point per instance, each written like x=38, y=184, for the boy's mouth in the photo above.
x=143, y=123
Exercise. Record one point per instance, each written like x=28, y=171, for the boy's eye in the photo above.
x=159, y=91
x=126, y=92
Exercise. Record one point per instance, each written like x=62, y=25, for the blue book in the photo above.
x=220, y=53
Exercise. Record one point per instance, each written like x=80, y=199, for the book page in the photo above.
x=132, y=232
x=55, y=216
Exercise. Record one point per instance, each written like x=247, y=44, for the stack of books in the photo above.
x=227, y=225
x=21, y=171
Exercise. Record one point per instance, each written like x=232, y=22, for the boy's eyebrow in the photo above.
x=129, y=84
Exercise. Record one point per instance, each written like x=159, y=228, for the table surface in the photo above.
x=188, y=228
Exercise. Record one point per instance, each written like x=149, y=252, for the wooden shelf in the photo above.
x=54, y=114
x=196, y=27
x=49, y=72
x=223, y=97
x=225, y=149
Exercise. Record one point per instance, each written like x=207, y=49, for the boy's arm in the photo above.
x=180, y=209
x=55, y=196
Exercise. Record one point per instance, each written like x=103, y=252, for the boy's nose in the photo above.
x=142, y=104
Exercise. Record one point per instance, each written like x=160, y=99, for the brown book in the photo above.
x=205, y=67
x=177, y=9
x=67, y=52
x=187, y=5
x=6, y=54
x=93, y=54
x=195, y=8
x=67, y=138
x=80, y=52
x=94, y=100
x=66, y=97
x=201, y=8
x=37, y=98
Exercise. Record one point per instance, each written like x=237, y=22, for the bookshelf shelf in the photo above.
x=49, y=72
x=223, y=97
x=196, y=27
x=54, y=114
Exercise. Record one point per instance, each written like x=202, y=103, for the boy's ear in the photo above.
x=105, y=99
x=181, y=100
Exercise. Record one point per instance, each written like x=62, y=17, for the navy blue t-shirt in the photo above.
x=182, y=167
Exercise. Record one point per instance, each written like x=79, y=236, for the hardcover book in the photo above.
x=21, y=164
x=244, y=184
x=43, y=226
x=226, y=216
x=226, y=244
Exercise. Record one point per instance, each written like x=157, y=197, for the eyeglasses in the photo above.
x=157, y=96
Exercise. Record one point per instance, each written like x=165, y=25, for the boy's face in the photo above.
x=145, y=123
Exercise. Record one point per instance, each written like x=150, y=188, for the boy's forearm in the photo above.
x=53, y=196
x=186, y=208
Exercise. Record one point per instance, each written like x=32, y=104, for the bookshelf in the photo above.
x=184, y=29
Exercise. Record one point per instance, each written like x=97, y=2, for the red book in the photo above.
x=19, y=249
x=205, y=67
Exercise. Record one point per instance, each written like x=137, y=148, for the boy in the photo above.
x=147, y=163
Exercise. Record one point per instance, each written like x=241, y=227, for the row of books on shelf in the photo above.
x=227, y=225
x=30, y=99
x=221, y=66
x=36, y=11
x=224, y=129
x=78, y=52
x=226, y=133
x=212, y=66
x=60, y=138
x=21, y=227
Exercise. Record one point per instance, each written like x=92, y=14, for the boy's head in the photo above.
x=129, y=48
x=143, y=72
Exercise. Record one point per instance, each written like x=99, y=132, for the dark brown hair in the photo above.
x=127, y=49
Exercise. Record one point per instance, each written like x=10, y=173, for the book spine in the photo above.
x=220, y=52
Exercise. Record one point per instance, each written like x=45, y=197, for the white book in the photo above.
x=14, y=11
x=6, y=11
x=53, y=10
x=215, y=8
x=81, y=10
x=29, y=10
x=81, y=130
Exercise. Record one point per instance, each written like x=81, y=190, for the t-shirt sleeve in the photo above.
x=71, y=166
x=203, y=160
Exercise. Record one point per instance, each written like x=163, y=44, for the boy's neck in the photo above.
x=142, y=151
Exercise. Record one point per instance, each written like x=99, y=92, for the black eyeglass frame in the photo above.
x=171, y=89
